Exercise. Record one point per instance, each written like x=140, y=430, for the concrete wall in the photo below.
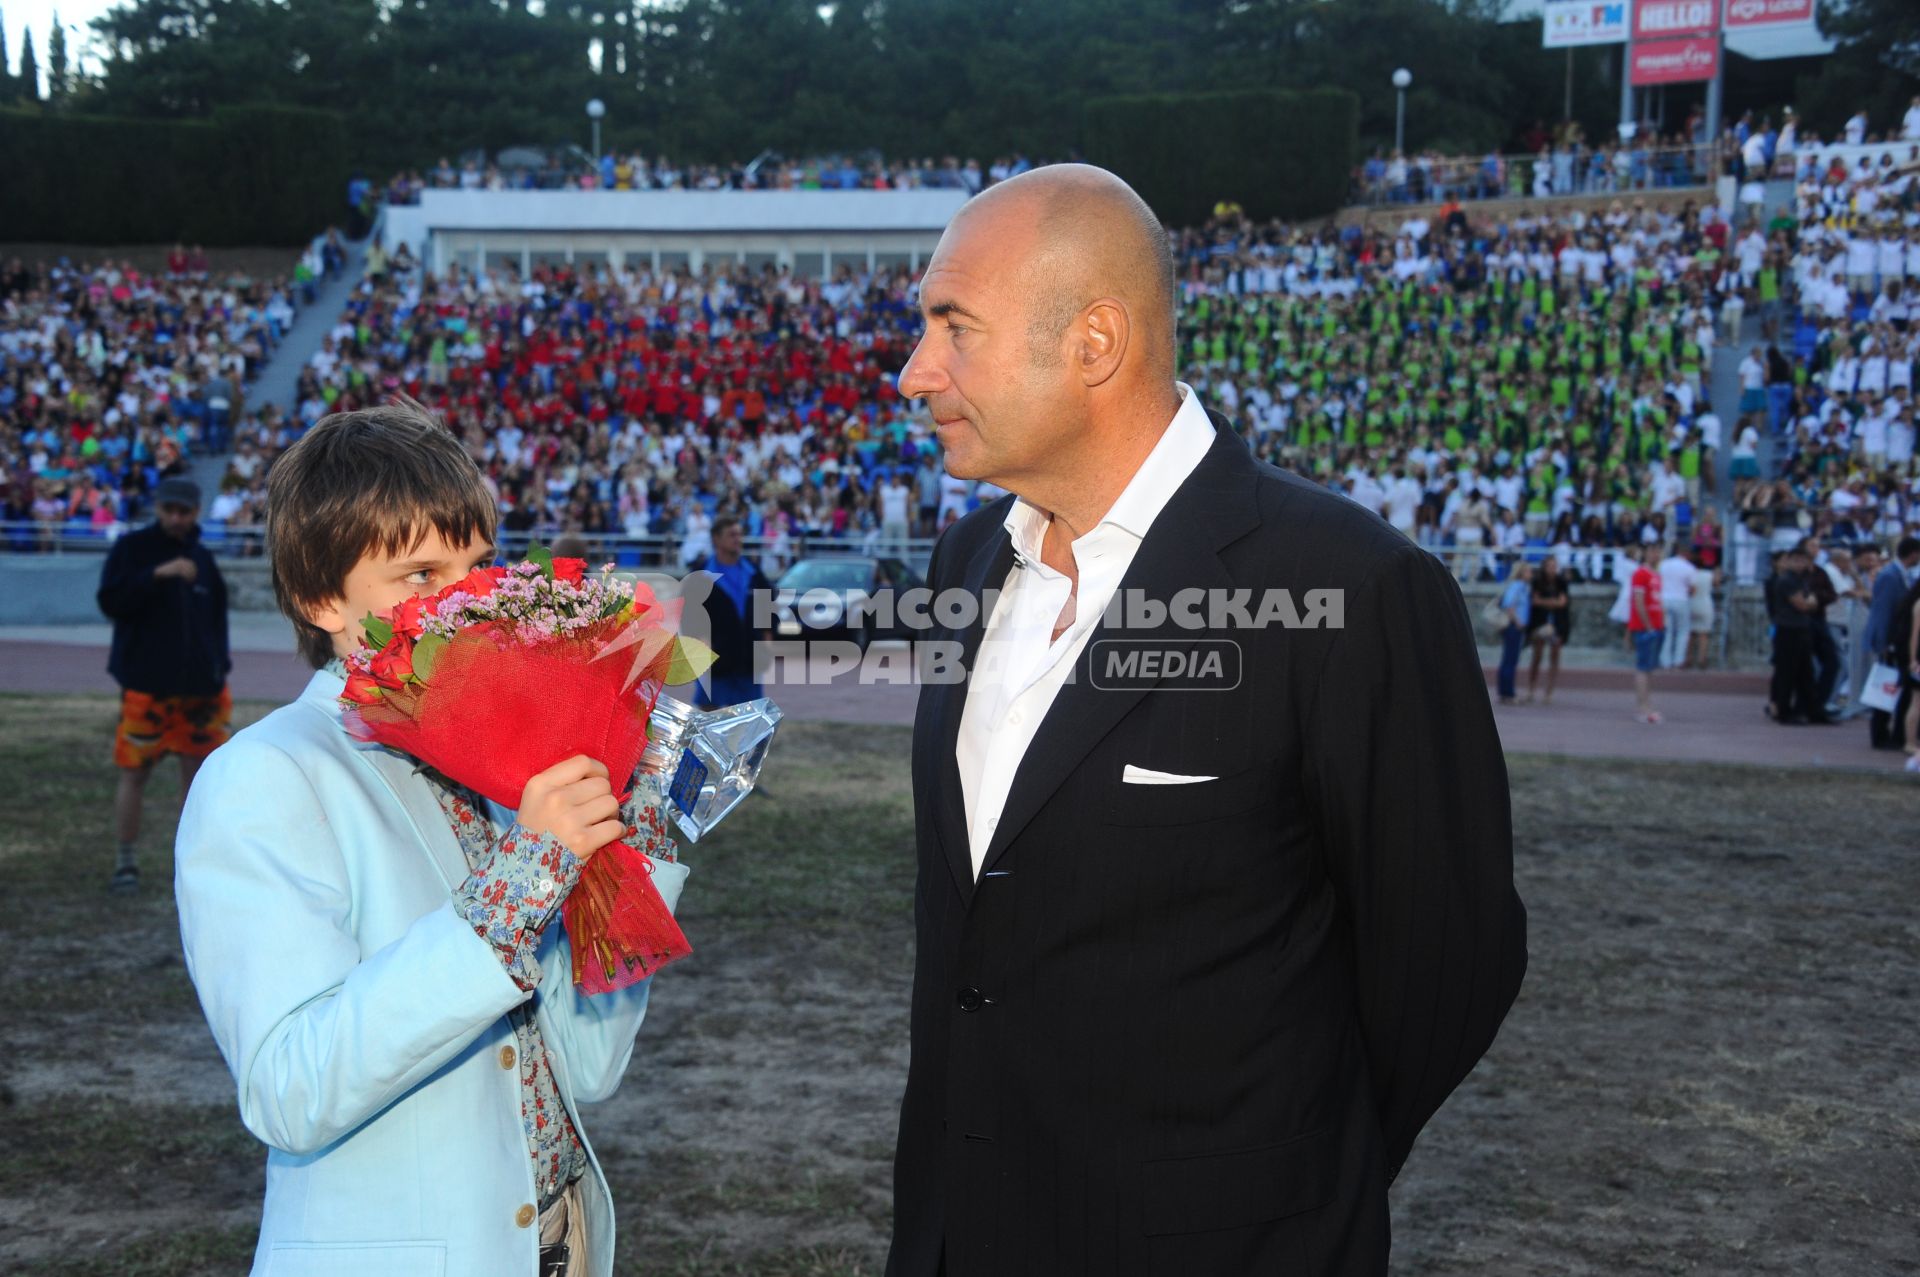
x=58, y=589
x=606, y=218
x=52, y=589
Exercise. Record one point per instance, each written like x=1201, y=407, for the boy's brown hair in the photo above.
x=373, y=480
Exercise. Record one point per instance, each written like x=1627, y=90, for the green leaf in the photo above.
x=540, y=554
x=426, y=650
x=379, y=632
x=689, y=661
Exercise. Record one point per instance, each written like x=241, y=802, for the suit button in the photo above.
x=524, y=1217
x=970, y=999
x=506, y=1057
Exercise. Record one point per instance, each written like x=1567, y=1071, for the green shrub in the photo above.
x=264, y=175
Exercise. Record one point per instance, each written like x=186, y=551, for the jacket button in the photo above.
x=970, y=999
x=524, y=1216
x=506, y=1057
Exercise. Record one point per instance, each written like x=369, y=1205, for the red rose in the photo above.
x=393, y=664
x=569, y=570
x=406, y=618
x=479, y=583
x=361, y=689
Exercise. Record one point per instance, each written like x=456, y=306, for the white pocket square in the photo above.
x=1147, y=776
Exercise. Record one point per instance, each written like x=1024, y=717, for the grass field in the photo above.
x=1709, y=1069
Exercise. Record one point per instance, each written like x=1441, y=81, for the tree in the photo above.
x=57, y=75
x=1876, y=69
x=1887, y=31
x=6, y=65
x=715, y=81
x=28, y=85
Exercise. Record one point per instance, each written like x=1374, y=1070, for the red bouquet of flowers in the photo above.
x=511, y=670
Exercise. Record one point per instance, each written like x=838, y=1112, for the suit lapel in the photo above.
x=986, y=570
x=1214, y=506
x=396, y=771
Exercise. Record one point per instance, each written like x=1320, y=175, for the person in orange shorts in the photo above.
x=168, y=604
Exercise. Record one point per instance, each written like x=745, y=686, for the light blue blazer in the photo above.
x=364, y=1020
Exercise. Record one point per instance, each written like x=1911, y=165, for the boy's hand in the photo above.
x=572, y=801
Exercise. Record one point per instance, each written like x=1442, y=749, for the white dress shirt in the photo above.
x=1020, y=666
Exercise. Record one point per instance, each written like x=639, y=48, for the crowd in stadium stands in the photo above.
x=1833, y=382
x=1532, y=384
x=1565, y=164
x=636, y=172
x=1563, y=161
x=112, y=378
x=642, y=406
x=1526, y=383
x=1486, y=386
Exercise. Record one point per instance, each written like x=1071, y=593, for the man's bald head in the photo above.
x=1092, y=236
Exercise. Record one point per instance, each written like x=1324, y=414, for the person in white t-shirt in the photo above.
x=1743, y=463
x=1910, y=123
x=1403, y=500
x=1900, y=438
x=953, y=497
x=896, y=501
x=1863, y=257
x=1678, y=580
x=1708, y=424
x=1751, y=250
x=1856, y=130
x=1873, y=437
x=1361, y=488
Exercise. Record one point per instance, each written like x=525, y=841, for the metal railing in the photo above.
x=1586, y=171
x=654, y=551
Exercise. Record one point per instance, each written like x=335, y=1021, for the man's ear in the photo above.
x=1105, y=333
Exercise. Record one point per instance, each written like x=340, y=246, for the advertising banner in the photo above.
x=1570, y=23
x=1675, y=61
x=1653, y=19
x=1745, y=14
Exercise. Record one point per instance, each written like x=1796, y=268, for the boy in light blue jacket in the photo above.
x=377, y=950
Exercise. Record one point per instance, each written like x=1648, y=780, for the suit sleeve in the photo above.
x=595, y=1034
x=1411, y=789
x=319, y=1037
x=1880, y=616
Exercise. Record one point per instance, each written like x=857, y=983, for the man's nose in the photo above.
x=920, y=377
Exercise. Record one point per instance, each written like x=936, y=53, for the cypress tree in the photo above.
x=28, y=86
x=57, y=59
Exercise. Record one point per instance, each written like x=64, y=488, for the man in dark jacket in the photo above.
x=168, y=604
x=1887, y=729
x=1215, y=901
x=737, y=584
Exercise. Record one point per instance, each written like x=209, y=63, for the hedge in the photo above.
x=1278, y=153
x=256, y=175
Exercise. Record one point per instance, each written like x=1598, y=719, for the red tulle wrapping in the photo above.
x=495, y=713
x=621, y=929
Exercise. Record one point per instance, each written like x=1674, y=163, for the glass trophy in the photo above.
x=709, y=759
